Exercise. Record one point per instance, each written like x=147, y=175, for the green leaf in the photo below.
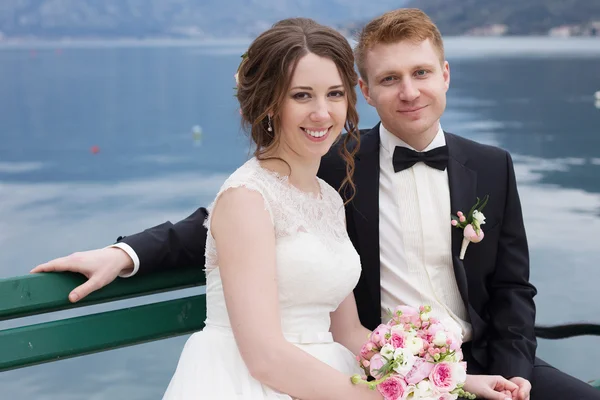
x=470, y=214
x=485, y=200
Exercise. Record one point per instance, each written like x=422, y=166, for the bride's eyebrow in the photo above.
x=310, y=88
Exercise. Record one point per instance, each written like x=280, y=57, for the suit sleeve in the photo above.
x=168, y=245
x=512, y=343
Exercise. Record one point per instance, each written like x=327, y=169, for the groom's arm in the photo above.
x=512, y=344
x=168, y=245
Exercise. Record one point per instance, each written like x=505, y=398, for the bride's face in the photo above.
x=314, y=110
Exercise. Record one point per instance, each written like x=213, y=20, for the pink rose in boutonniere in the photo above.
x=471, y=224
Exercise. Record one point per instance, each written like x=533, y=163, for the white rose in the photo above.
x=459, y=372
x=414, y=345
x=409, y=393
x=453, y=327
x=424, y=389
x=399, y=329
x=479, y=217
x=405, y=361
x=387, y=351
x=440, y=338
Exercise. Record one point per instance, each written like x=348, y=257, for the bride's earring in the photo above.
x=270, y=128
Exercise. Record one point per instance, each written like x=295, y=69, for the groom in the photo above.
x=410, y=177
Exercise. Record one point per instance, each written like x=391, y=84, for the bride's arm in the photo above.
x=346, y=327
x=245, y=240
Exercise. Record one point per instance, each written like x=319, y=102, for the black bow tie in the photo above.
x=405, y=158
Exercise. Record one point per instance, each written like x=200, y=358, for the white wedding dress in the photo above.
x=317, y=267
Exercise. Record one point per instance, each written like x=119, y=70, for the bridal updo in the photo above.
x=266, y=71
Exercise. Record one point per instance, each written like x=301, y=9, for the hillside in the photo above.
x=171, y=18
x=510, y=17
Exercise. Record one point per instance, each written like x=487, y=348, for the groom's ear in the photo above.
x=446, y=73
x=364, y=88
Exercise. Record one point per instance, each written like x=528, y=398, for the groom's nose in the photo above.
x=408, y=90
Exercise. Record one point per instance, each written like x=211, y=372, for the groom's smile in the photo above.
x=411, y=110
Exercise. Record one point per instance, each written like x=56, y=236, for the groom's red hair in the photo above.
x=396, y=26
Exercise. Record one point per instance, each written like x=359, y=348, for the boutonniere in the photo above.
x=471, y=224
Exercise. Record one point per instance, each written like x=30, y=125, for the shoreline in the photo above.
x=456, y=46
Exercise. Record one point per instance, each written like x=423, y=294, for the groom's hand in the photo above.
x=101, y=267
x=524, y=387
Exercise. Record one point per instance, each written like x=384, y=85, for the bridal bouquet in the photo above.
x=414, y=356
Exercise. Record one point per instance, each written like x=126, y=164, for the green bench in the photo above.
x=76, y=336
x=71, y=337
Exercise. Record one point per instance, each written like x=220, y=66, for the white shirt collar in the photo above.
x=389, y=141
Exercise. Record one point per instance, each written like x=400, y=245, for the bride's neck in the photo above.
x=301, y=171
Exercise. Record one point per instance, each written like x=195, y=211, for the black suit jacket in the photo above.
x=493, y=278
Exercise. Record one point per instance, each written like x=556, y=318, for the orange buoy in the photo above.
x=95, y=149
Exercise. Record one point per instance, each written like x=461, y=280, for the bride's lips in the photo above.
x=316, y=139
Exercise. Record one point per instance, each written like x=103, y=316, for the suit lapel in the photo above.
x=366, y=210
x=463, y=195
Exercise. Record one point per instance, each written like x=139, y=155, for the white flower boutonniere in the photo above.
x=470, y=224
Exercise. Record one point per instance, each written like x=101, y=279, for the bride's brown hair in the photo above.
x=265, y=74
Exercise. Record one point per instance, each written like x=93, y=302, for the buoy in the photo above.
x=197, y=135
x=197, y=132
x=95, y=149
x=597, y=95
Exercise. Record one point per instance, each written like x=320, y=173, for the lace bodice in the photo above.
x=317, y=266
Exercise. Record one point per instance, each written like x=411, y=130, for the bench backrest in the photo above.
x=49, y=341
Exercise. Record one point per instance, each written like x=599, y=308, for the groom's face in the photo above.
x=407, y=83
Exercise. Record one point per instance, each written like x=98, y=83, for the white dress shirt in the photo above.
x=415, y=236
x=132, y=254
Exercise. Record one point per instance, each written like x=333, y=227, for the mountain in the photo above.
x=171, y=18
x=513, y=17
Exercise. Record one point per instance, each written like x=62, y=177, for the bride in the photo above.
x=280, y=268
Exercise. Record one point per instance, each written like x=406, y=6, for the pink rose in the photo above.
x=377, y=362
x=470, y=234
x=379, y=335
x=397, y=341
x=367, y=351
x=420, y=370
x=392, y=388
x=435, y=328
x=381, y=329
x=453, y=342
x=442, y=377
x=409, y=314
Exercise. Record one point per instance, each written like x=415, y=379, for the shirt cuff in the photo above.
x=131, y=253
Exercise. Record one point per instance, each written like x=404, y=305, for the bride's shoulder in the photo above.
x=246, y=174
x=244, y=189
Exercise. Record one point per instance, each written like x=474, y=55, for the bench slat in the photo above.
x=45, y=292
x=51, y=341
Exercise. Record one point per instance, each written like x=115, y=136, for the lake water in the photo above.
x=138, y=102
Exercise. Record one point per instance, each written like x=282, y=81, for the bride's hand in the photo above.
x=492, y=387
